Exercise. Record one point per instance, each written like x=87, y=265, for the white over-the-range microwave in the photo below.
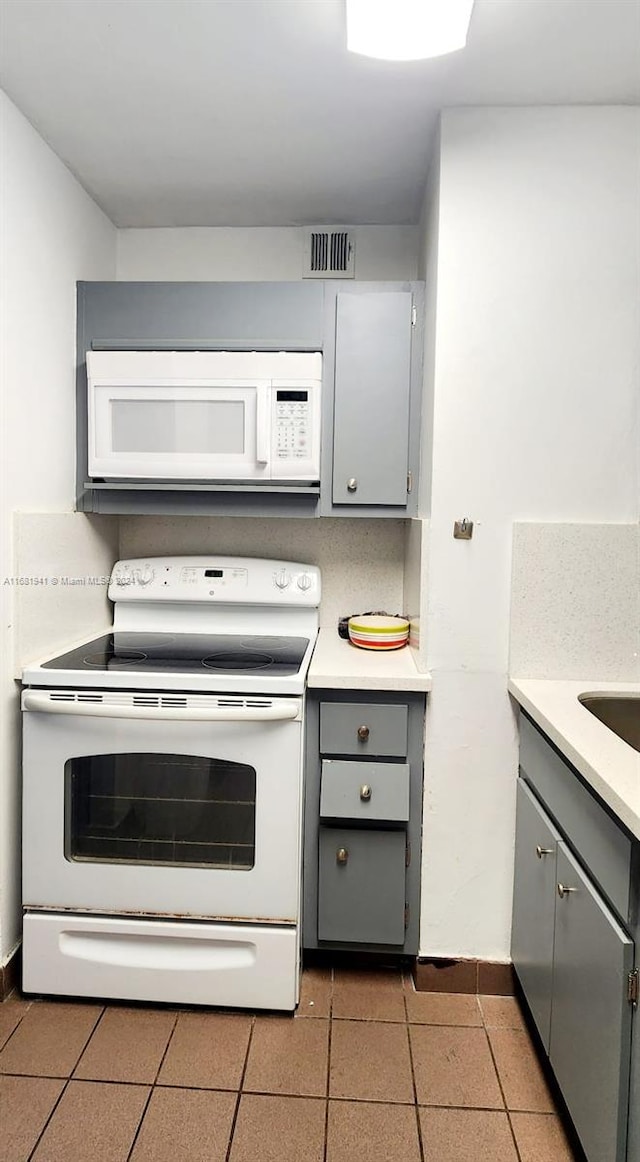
x=209, y=416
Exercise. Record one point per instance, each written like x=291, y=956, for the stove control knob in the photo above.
x=304, y=582
x=282, y=579
x=145, y=576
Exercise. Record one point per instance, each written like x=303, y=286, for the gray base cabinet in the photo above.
x=534, y=907
x=363, y=820
x=573, y=943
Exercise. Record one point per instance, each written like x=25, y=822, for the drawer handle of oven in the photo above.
x=279, y=712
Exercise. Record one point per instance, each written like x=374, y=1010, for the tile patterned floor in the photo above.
x=368, y=1069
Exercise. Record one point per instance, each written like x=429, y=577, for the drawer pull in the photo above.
x=365, y=793
x=564, y=891
x=540, y=851
x=352, y=484
x=363, y=733
x=342, y=855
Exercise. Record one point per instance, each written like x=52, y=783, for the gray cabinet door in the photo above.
x=534, y=897
x=591, y=1016
x=372, y=392
x=361, y=887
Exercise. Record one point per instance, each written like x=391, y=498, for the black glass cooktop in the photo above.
x=185, y=653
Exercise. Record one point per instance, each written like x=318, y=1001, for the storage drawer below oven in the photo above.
x=242, y=966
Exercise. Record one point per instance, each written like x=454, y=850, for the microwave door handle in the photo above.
x=263, y=423
x=281, y=711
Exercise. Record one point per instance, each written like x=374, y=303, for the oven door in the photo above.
x=168, y=810
x=200, y=430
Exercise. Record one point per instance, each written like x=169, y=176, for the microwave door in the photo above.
x=206, y=431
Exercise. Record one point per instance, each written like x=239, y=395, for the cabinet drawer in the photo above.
x=362, y=791
x=363, y=729
x=361, y=890
x=603, y=846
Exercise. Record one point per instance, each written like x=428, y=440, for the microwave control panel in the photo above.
x=293, y=424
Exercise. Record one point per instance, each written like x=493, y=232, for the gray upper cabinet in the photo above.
x=371, y=404
x=371, y=338
x=194, y=316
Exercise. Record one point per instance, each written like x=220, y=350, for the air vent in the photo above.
x=329, y=254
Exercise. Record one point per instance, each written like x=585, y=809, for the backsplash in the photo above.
x=575, y=605
x=361, y=560
x=62, y=566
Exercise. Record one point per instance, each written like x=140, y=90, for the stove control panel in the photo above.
x=229, y=580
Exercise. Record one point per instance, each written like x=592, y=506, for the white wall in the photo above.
x=535, y=418
x=262, y=253
x=51, y=234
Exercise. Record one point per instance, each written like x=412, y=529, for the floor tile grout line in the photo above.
x=504, y=1096
x=16, y=1027
x=46, y=1124
x=152, y=1087
x=416, y=1107
x=166, y=1049
x=288, y=1096
x=234, y=1120
x=328, y=1085
x=86, y=1044
x=513, y=1135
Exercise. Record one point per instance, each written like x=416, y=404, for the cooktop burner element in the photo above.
x=232, y=661
x=97, y=660
x=185, y=653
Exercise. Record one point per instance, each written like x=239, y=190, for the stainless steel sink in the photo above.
x=620, y=712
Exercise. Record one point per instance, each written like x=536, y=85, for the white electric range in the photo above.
x=163, y=789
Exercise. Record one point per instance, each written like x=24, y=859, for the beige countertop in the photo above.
x=609, y=765
x=338, y=665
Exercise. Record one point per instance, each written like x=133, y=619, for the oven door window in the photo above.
x=161, y=809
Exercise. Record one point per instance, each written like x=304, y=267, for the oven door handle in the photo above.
x=281, y=711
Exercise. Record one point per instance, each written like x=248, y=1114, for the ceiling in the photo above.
x=251, y=112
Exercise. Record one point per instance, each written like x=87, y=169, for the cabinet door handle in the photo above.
x=540, y=851
x=564, y=891
x=342, y=855
x=352, y=484
x=363, y=733
x=365, y=792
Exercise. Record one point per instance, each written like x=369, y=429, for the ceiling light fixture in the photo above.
x=407, y=30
